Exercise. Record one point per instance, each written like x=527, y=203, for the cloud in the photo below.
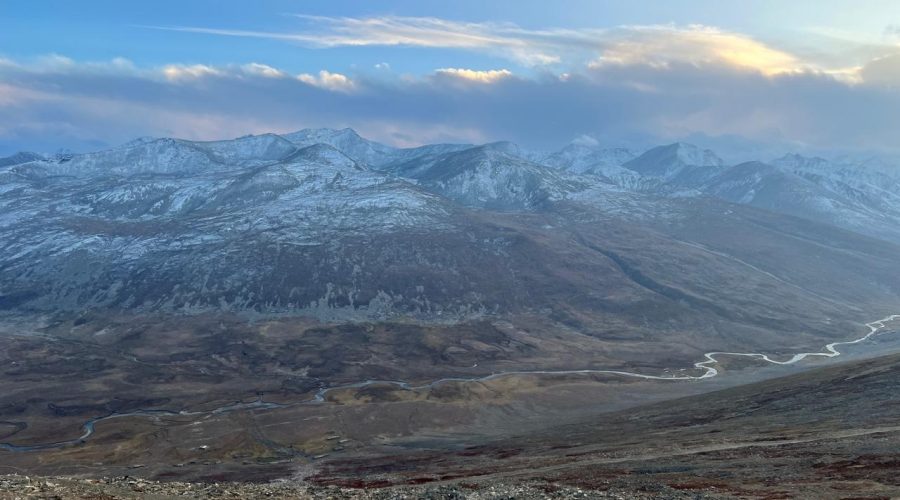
x=489, y=76
x=176, y=72
x=263, y=70
x=646, y=44
x=883, y=71
x=328, y=80
x=80, y=107
x=840, y=54
x=328, y=32
x=663, y=45
x=87, y=105
x=13, y=96
x=626, y=84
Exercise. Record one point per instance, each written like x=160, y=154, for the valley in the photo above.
x=303, y=307
x=198, y=401
x=787, y=437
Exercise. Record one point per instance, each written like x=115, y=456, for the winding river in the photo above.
x=707, y=366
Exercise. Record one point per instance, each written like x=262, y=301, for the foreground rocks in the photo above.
x=125, y=487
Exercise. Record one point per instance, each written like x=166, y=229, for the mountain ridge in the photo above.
x=99, y=221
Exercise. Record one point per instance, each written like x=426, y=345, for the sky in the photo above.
x=749, y=78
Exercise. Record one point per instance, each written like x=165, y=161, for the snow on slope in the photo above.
x=492, y=176
x=347, y=141
x=582, y=159
x=679, y=163
x=270, y=217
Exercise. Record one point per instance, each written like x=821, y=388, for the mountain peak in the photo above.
x=19, y=158
x=502, y=147
x=584, y=157
x=671, y=160
x=322, y=134
x=347, y=141
x=328, y=154
x=681, y=153
x=690, y=154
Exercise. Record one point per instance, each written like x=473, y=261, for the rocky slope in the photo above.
x=826, y=433
x=325, y=223
x=125, y=487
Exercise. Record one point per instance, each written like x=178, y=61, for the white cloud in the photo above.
x=843, y=56
x=263, y=70
x=655, y=45
x=327, y=80
x=664, y=45
x=489, y=76
x=504, y=39
x=177, y=72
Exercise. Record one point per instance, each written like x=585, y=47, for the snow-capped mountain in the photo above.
x=583, y=159
x=347, y=141
x=406, y=162
x=678, y=163
x=19, y=158
x=848, y=196
x=327, y=223
x=869, y=183
x=770, y=187
x=203, y=213
x=492, y=176
x=158, y=156
x=249, y=150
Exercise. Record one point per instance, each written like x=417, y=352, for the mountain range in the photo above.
x=326, y=223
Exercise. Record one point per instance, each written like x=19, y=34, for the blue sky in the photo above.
x=800, y=75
